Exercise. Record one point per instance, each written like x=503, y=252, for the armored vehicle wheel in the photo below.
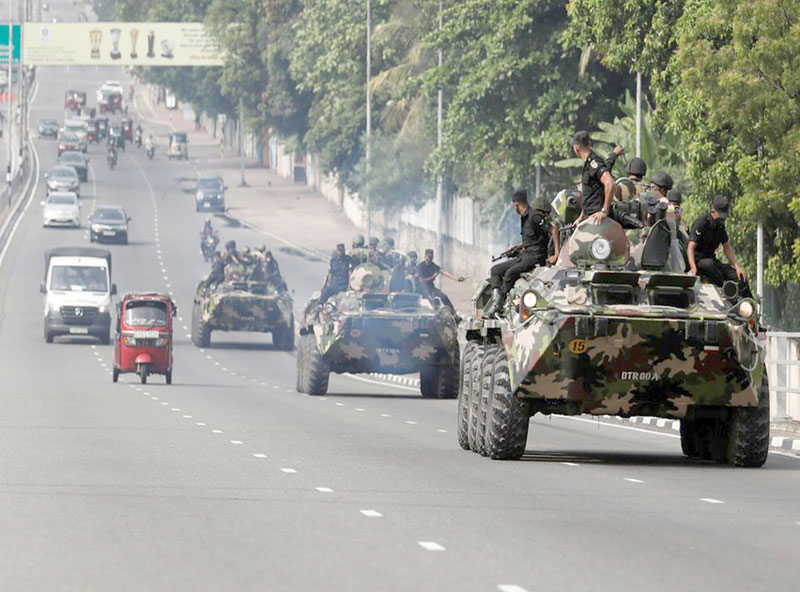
x=48, y=336
x=283, y=337
x=168, y=376
x=440, y=382
x=201, y=332
x=316, y=372
x=476, y=387
x=485, y=396
x=464, y=395
x=690, y=443
x=298, y=384
x=748, y=435
x=506, y=415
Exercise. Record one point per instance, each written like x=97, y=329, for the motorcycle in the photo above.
x=138, y=139
x=208, y=246
x=111, y=159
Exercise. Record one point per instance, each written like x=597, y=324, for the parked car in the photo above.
x=210, y=194
x=63, y=178
x=109, y=223
x=61, y=208
x=69, y=141
x=77, y=160
x=48, y=128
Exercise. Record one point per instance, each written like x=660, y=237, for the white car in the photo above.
x=61, y=208
x=112, y=85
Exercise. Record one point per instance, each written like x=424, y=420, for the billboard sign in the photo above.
x=119, y=44
x=15, y=40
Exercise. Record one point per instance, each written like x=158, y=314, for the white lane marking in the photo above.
x=216, y=431
x=324, y=489
x=510, y=588
x=711, y=500
x=372, y=514
x=224, y=369
x=631, y=480
x=360, y=409
x=154, y=398
x=289, y=471
x=145, y=393
x=174, y=409
x=180, y=319
x=322, y=398
x=164, y=403
x=430, y=546
x=264, y=384
x=187, y=417
x=259, y=455
x=340, y=404
x=442, y=431
x=385, y=415
x=188, y=335
x=200, y=423
x=236, y=442
x=217, y=363
x=411, y=422
x=570, y=464
x=208, y=357
x=94, y=347
x=275, y=386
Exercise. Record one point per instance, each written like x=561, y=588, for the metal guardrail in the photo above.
x=783, y=368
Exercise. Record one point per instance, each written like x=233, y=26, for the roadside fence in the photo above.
x=783, y=369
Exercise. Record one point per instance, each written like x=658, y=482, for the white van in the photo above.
x=77, y=293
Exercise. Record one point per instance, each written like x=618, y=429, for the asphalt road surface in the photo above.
x=229, y=480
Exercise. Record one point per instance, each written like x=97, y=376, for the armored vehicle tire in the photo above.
x=507, y=415
x=485, y=396
x=316, y=372
x=464, y=400
x=168, y=376
x=748, y=434
x=440, y=382
x=690, y=443
x=283, y=337
x=298, y=381
x=201, y=332
x=476, y=388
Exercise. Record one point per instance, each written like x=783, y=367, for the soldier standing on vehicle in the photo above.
x=612, y=158
x=338, y=277
x=537, y=231
x=661, y=183
x=597, y=184
x=427, y=272
x=411, y=272
x=217, y=274
x=707, y=234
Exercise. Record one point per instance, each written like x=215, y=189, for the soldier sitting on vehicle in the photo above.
x=537, y=231
x=427, y=272
x=273, y=271
x=338, y=276
x=707, y=234
x=412, y=279
x=661, y=183
x=358, y=253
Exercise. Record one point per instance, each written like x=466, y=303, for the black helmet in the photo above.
x=390, y=242
x=674, y=195
x=230, y=245
x=636, y=166
x=358, y=240
x=412, y=254
x=662, y=179
x=373, y=241
x=541, y=204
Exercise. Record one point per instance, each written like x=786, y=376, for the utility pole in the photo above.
x=439, y=188
x=639, y=114
x=242, y=182
x=368, y=224
x=10, y=124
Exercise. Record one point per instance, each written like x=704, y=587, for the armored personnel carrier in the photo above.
x=263, y=307
x=378, y=326
x=616, y=330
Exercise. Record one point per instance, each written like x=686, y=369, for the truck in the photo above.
x=77, y=293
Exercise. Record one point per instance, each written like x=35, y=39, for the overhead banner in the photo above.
x=119, y=44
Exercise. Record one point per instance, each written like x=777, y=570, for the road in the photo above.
x=229, y=480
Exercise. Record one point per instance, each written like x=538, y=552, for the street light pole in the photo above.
x=639, y=114
x=439, y=188
x=10, y=125
x=242, y=182
x=368, y=223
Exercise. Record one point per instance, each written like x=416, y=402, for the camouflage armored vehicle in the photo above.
x=262, y=307
x=378, y=326
x=611, y=330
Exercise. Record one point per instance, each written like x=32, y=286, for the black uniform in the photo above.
x=709, y=235
x=593, y=190
x=427, y=286
x=535, y=230
x=338, y=276
x=217, y=274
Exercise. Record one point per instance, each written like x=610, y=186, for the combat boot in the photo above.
x=496, y=304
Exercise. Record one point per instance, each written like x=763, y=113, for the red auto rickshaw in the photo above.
x=143, y=341
x=127, y=129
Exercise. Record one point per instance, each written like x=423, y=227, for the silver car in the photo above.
x=63, y=178
x=61, y=208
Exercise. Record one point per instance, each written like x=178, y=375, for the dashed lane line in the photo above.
x=289, y=471
x=711, y=500
x=324, y=489
x=570, y=464
x=632, y=480
x=430, y=546
x=510, y=588
x=371, y=514
x=259, y=455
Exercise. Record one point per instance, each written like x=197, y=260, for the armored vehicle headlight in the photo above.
x=529, y=299
x=601, y=249
x=746, y=309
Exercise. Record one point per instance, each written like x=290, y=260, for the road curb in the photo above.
x=674, y=425
x=404, y=380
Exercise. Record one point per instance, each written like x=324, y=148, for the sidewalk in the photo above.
x=293, y=213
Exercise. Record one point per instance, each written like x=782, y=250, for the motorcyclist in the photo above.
x=150, y=145
x=208, y=238
x=138, y=136
x=111, y=154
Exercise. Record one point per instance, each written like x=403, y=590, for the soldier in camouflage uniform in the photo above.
x=358, y=253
